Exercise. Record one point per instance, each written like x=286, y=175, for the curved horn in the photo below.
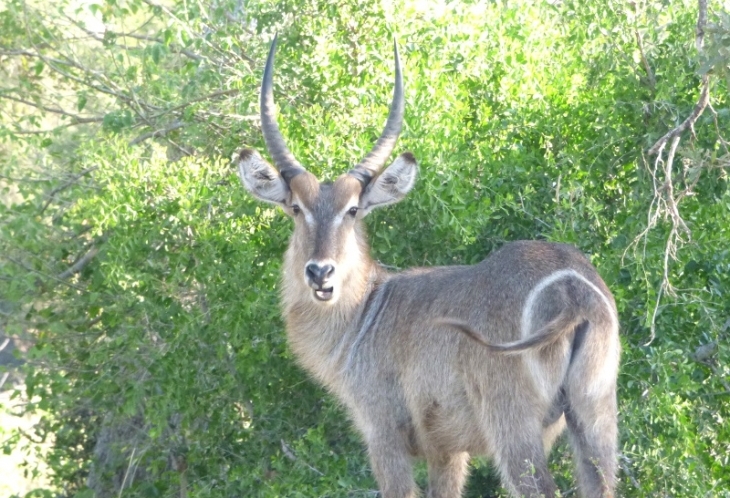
x=371, y=164
x=284, y=161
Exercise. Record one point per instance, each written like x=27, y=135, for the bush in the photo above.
x=147, y=279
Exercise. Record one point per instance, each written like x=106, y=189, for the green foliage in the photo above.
x=147, y=279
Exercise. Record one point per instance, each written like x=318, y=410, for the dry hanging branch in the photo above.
x=665, y=204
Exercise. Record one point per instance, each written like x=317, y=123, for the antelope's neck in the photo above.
x=321, y=334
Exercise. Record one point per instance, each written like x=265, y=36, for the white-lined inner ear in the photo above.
x=391, y=185
x=262, y=179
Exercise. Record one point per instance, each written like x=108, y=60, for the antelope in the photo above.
x=441, y=363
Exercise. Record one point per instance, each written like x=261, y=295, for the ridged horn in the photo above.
x=284, y=161
x=371, y=164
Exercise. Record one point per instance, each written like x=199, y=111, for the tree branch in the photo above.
x=116, y=34
x=701, y=23
x=645, y=61
x=642, y=52
x=43, y=132
x=691, y=119
x=80, y=264
x=665, y=202
x=184, y=25
x=210, y=96
x=157, y=133
x=77, y=119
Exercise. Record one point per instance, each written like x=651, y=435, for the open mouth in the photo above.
x=323, y=294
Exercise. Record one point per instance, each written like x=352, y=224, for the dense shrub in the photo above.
x=147, y=279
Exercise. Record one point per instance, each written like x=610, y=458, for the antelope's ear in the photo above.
x=391, y=185
x=262, y=179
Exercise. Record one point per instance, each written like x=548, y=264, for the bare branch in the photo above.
x=184, y=25
x=723, y=142
x=54, y=63
x=174, y=48
x=703, y=101
x=177, y=123
x=28, y=53
x=116, y=34
x=45, y=131
x=665, y=202
x=210, y=96
x=107, y=87
x=644, y=60
x=642, y=52
x=56, y=110
x=80, y=264
x=41, y=273
x=291, y=456
x=701, y=23
x=157, y=133
x=66, y=185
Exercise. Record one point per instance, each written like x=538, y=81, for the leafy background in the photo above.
x=143, y=281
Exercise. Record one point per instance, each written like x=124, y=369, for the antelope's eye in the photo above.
x=296, y=209
x=353, y=211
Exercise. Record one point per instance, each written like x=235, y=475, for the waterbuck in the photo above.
x=442, y=363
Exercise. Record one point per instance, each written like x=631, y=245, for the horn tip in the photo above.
x=246, y=154
x=396, y=51
x=409, y=157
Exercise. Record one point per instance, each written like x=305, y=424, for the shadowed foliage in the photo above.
x=147, y=280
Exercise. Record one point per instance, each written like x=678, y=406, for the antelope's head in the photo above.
x=328, y=247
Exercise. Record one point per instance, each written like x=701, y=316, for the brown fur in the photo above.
x=386, y=346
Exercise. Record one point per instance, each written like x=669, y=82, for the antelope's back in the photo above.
x=399, y=329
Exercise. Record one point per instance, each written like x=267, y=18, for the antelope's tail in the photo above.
x=547, y=334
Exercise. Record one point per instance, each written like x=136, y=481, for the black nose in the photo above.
x=319, y=274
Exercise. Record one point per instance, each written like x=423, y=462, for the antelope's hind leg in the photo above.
x=392, y=466
x=591, y=411
x=592, y=425
x=446, y=475
x=553, y=424
x=522, y=462
x=551, y=432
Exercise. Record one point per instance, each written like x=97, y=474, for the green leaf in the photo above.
x=81, y=101
x=156, y=52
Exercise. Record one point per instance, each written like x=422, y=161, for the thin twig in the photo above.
x=56, y=110
x=45, y=131
x=291, y=456
x=42, y=274
x=623, y=460
x=157, y=133
x=210, y=96
x=642, y=52
x=126, y=474
x=4, y=378
x=66, y=185
x=184, y=25
x=102, y=39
